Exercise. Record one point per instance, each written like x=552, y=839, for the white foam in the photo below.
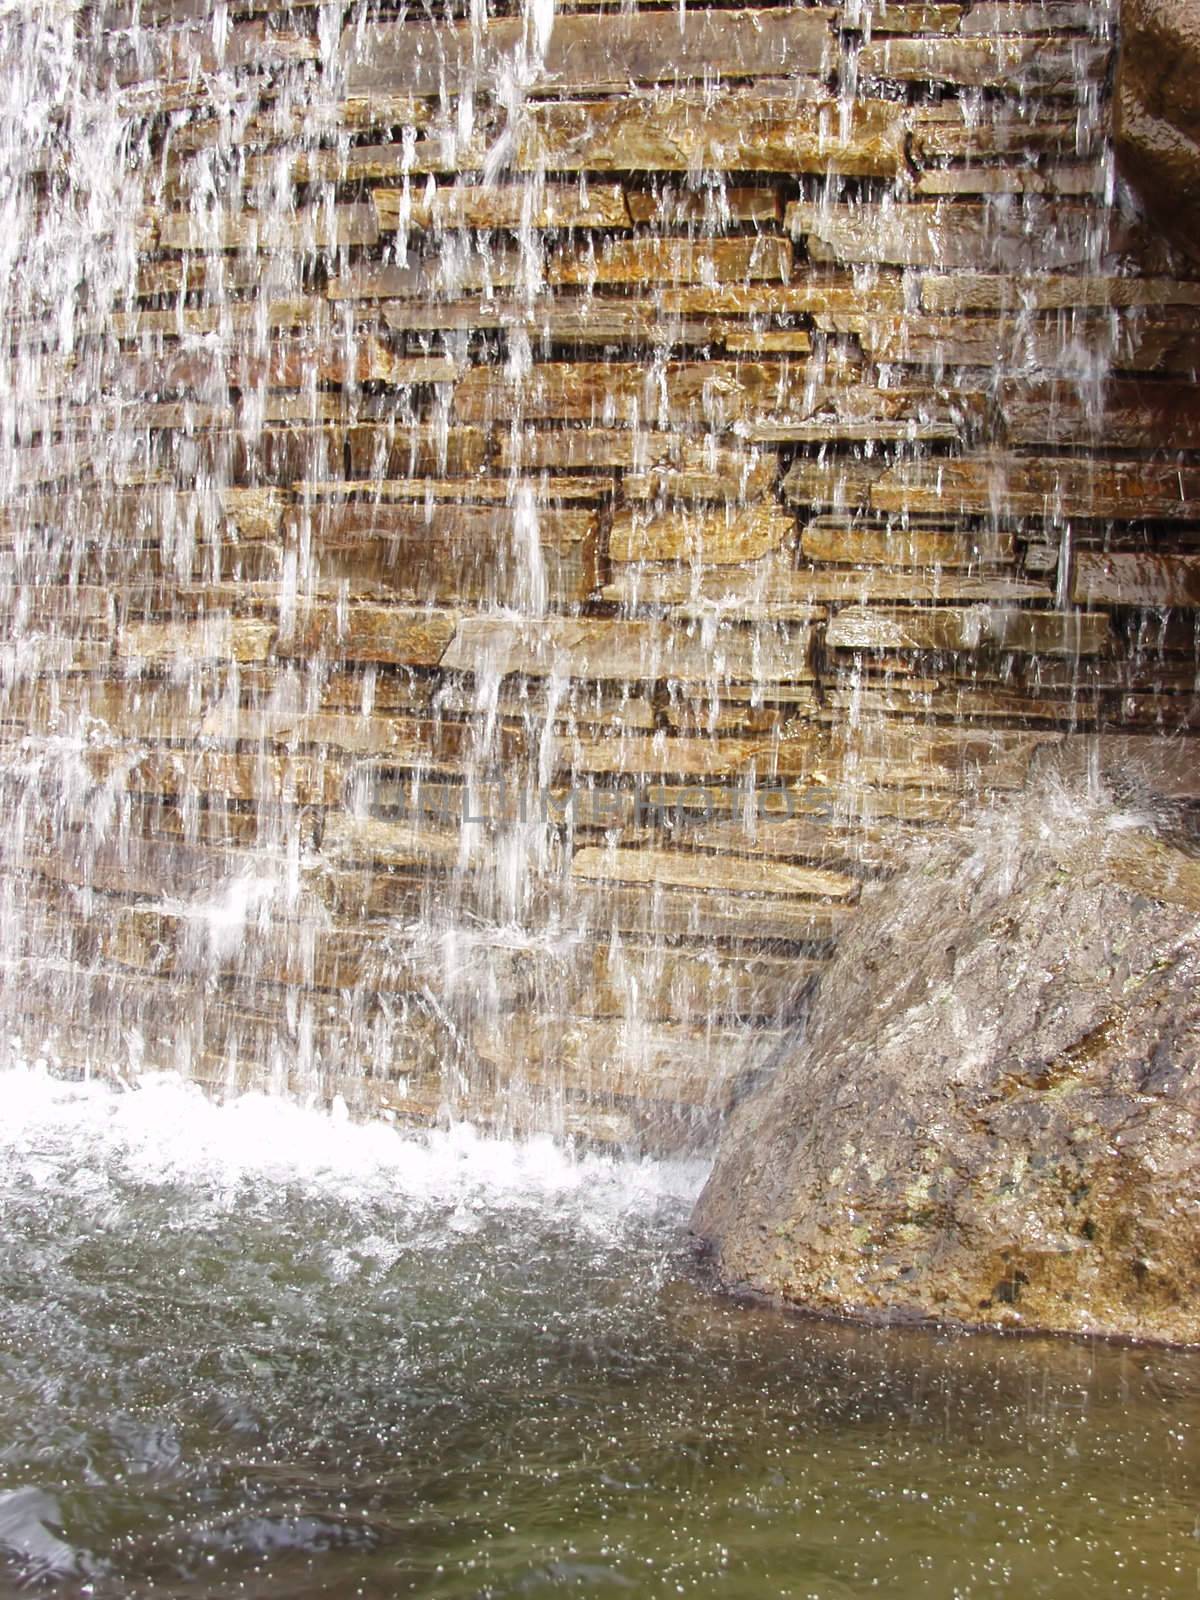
x=64, y=1135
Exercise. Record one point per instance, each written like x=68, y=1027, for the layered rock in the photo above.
x=526, y=527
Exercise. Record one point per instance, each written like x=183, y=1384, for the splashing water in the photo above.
x=507, y=521
x=256, y=1349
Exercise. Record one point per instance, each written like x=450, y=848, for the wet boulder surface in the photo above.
x=993, y=1116
x=1158, y=112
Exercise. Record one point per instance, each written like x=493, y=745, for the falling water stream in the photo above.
x=481, y=601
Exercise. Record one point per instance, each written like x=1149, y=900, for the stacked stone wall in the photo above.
x=553, y=512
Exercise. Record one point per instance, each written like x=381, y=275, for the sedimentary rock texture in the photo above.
x=1158, y=112
x=508, y=531
x=995, y=1115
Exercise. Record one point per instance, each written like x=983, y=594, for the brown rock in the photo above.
x=249, y=230
x=946, y=233
x=364, y=451
x=982, y=291
x=582, y=449
x=1005, y=1132
x=279, y=780
x=706, y=472
x=980, y=628
x=139, y=516
x=677, y=985
x=679, y=132
x=178, y=53
x=401, y=740
x=798, y=754
x=348, y=838
x=904, y=16
x=1020, y=66
x=859, y=850
x=829, y=795
x=404, y=635
x=475, y=268
x=1047, y=16
x=686, y=870
x=216, y=638
x=123, y=707
x=1144, y=341
x=298, y=311
x=436, y=152
x=656, y=463
x=858, y=411
x=1127, y=414
x=841, y=482
x=901, y=545
x=717, y=538
x=657, y=912
x=932, y=756
x=951, y=133
x=388, y=451
x=370, y=281
x=712, y=209
x=604, y=51
x=302, y=953
x=331, y=523
x=606, y=650
x=963, y=703
x=715, y=392
x=1125, y=578
x=694, y=716
x=1018, y=486
x=137, y=866
x=1158, y=112
x=584, y=319
x=810, y=294
x=600, y=1059
x=254, y=513
x=783, y=595
x=681, y=260
x=766, y=342
x=550, y=205
x=1064, y=180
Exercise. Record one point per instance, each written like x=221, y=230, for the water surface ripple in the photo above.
x=255, y=1350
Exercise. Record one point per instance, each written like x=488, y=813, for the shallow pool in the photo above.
x=253, y=1350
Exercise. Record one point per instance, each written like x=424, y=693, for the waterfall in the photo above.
x=516, y=519
x=511, y=517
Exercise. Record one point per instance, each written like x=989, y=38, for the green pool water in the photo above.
x=252, y=1350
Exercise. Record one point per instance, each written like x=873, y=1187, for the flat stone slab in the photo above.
x=1128, y=578
x=599, y=52
x=976, y=628
x=725, y=132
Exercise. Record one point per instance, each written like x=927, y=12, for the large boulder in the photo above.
x=1158, y=112
x=993, y=1117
